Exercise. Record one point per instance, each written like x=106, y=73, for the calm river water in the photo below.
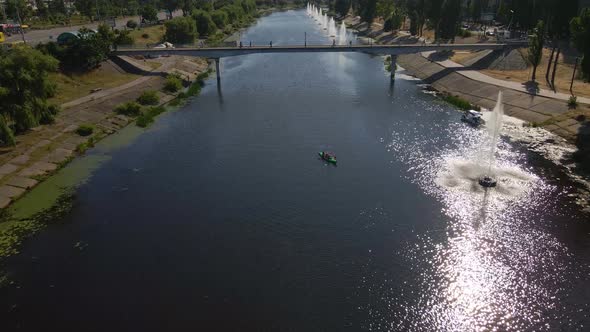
x=222, y=217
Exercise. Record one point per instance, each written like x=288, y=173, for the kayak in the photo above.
x=327, y=157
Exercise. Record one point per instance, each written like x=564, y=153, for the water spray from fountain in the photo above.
x=494, y=125
x=328, y=24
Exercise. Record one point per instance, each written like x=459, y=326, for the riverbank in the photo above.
x=46, y=149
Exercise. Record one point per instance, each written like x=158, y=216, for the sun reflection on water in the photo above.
x=496, y=267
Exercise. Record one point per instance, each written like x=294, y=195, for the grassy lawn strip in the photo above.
x=154, y=34
x=73, y=86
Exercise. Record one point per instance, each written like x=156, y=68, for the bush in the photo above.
x=173, y=83
x=132, y=24
x=572, y=102
x=85, y=130
x=6, y=134
x=145, y=36
x=130, y=108
x=149, y=97
x=48, y=115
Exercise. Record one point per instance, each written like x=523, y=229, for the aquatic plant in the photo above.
x=458, y=102
x=148, y=116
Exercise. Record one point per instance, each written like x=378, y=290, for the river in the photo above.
x=221, y=216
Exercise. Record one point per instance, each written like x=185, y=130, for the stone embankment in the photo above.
x=523, y=101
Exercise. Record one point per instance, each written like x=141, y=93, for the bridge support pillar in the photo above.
x=217, y=71
x=393, y=67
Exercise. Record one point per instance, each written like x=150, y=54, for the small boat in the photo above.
x=472, y=117
x=327, y=156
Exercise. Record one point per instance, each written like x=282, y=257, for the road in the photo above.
x=35, y=37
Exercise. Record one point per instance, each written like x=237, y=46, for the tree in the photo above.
x=415, y=9
x=449, y=22
x=26, y=88
x=341, y=7
x=368, y=10
x=18, y=8
x=536, y=47
x=187, y=7
x=220, y=18
x=57, y=7
x=205, y=24
x=181, y=30
x=149, y=13
x=170, y=6
x=580, y=31
x=86, y=7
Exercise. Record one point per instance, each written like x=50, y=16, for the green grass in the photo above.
x=155, y=35
x=73, y=86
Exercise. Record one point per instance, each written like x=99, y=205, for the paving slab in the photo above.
x=530, y=116
x=551, y=107
x=22, y=182
x=487, y=91
x=58, y=155
x=20, y=160
x=70, y=128
x=4, y=201
x=7, y=169
x=38, y=168
x=567, y=123
x=10, y=191
x=75, y=140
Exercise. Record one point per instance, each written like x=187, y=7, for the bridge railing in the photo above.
x=282, y=43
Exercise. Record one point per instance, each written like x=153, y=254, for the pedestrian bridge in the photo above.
x=221, y=52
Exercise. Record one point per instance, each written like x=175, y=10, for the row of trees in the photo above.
x=559, y=19
x=444, y=15
x=100, y=9
x=207, y=17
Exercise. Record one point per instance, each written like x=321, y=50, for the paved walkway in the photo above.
x=480, y=77
x=518, y=102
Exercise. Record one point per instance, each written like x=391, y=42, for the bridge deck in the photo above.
x=220, y=52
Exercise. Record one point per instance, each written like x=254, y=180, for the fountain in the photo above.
x=493, y=125
x=342, y=34
x=328, y=24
